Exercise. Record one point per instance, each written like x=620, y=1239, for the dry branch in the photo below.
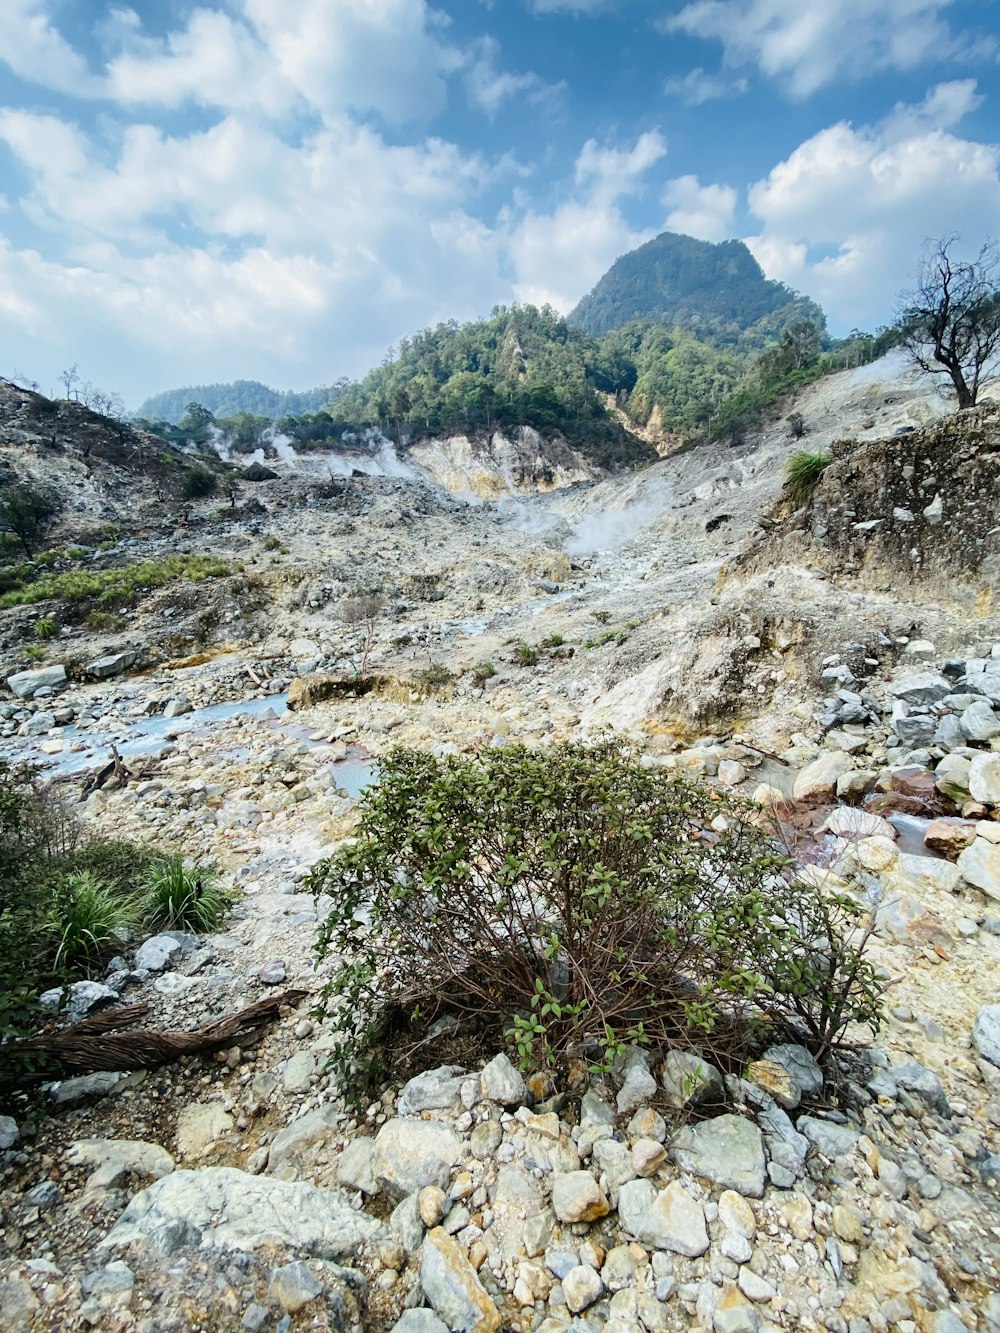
x=89, y=1047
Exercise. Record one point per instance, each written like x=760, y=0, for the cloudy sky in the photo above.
x=280, y=189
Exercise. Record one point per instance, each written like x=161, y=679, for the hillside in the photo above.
x=718, y=290
x=224, y=400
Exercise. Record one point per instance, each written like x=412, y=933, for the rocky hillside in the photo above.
x=855, y=700
x=918, y=508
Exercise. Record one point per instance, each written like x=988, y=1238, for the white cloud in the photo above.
x=697, y=87
x=844, y=217
x=807, y=44
x=36, y=51
x=572, y=6
x=489, y=87
x=558, y=256
x=703, y=211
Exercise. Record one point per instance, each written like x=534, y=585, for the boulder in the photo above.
x=410, y=1154
x=668, y=1219
x=453, y=1288
x=257, y=472
x=950, y=837
x=291, y=1147
x=25, y=683
x=848, y=821
x=689, y=1080
x=79, y=999
x=979, y=722
x=158, y=953
x=926, y=687
x=831, y=1140
x=728, y=1151
x=112, y=665
x=433, y=1090
x=818, y=780
x=984, y=779
x=114, y=1159
x=225, y=1209
x=980, y=865
x=986, y=1033
x=501, y=1082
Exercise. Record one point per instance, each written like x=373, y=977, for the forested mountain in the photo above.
x=225, y=400
x=717, y=291
x=522, y=366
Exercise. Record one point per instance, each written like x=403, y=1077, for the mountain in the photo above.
x=717, y=290
x=225, y=400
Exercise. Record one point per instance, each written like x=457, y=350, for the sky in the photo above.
x=282, y=189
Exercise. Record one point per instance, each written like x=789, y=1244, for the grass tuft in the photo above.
x=176, y=896
x=802, y=475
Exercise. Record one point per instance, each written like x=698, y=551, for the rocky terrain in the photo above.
x=839, y=663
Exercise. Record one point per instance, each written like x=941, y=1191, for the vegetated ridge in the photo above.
x=716, y=289
x=224, y=400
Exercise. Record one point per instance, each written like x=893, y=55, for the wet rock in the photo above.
x=728, y=1151
x=453, y=1287
x=949, y=837
x=986, y=1033
x=849, y=822
x=666, y=1220
x=410, y=1154
x=236, y=1211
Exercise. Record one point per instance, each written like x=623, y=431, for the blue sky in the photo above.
x=281, y=189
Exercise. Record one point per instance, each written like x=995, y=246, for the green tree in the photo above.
x=27, y=512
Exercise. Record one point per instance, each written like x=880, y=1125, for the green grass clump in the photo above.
x=435, y=675
x=553, y=641
x=110, y=588
x=525, y=654
x=176, y=896
x=483, y=671
x=805, y=467
x=85, y=917
x=46, y=628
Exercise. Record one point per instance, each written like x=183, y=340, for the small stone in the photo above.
x=410, y=1154
x=273, y=973
x=199, y=1125
x=432, y=1204
x=736, y=1215
x=582, y=1286
x=157, y=953
x=647, y=1157
x=775, y=1081
x=433, y=1090
x=577, y=1197
x=9, y=1132
x=298, y=1072
x=668, y=1220
x=293, y=1286
x=755, y=1288
x=688, y=1080
x=733, y=1314
x=501, y=1082
x=847, y=1224
x=728, y=1150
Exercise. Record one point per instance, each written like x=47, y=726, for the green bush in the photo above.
x=435, y=676
x=804, y=470
x=483, y=671
x=46, y=628
x=526, y=654
x=572, y=903
x=199, y=483
x=85, y=920
x=553, y=641
x=176, y=896
x=113, y=588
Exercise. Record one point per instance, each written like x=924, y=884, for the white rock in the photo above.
x=453, y=1288
x=582, y=1286
x=818, y=780
x=847, y=821
x=199, y=1125
x=980, y=865
x=668, y=1220
x=501, y=1082
x=984, y=779
x=410, y=1154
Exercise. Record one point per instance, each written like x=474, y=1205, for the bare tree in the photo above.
x=362, y=611
x=950, y=321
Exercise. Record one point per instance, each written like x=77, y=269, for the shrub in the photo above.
x=175, y=896
x=796, y=425
x=803, y=473
x=483, y=671
x=573, y=903
x=114, y=588
x=435, y=675
x=46, y=628
x=271, y=542
x=553, y=641
x=199, y=483
x=526, y=654
x=85, y=917
x=602, y=617
x=35, y=652
x=119, y=864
